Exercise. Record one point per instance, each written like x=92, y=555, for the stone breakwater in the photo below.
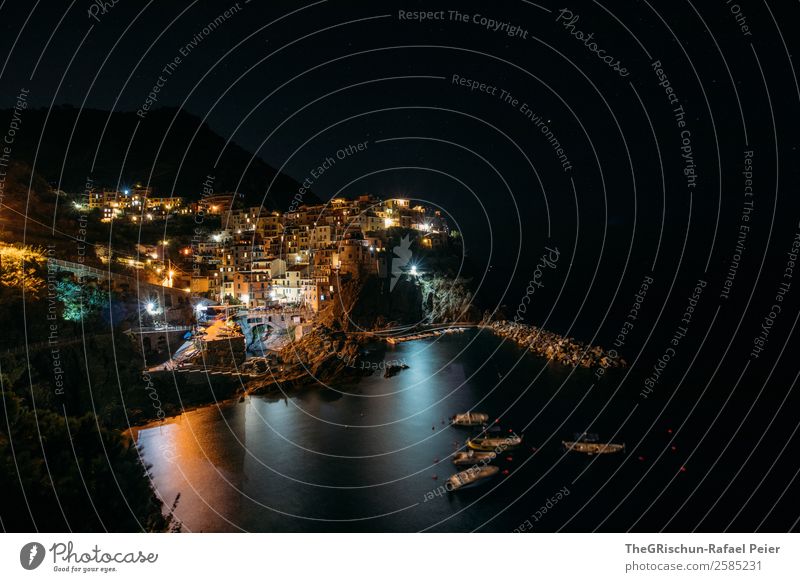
x=563, y=350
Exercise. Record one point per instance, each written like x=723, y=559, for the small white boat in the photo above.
x=494, y=443
x=471, y=477
x=473, y=457
x=470, y=419
x=588, y=443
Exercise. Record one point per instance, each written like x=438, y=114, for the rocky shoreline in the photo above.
x=328, y=356
x=424, y=335
x=323, y=355
x=563, y=350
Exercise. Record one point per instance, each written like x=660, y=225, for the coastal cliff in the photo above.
x=448, y=299
x=333, y=351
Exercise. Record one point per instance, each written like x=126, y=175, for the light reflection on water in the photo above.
x=364, y=458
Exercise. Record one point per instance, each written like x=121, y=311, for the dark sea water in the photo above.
x=368, y=457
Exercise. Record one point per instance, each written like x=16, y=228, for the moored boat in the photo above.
x=473, y=457
x=470, y=477
x=470, y=419
x=593, y=448
x=484, y=443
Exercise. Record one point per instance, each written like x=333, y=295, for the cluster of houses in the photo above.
x=262, y=258
x=135, y=203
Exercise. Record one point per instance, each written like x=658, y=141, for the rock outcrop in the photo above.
x=323, y=355
x=394, y=370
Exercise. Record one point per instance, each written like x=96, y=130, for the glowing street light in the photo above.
x=151, y=307
x=413, y=270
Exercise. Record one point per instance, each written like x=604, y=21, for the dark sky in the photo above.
x=295, y=83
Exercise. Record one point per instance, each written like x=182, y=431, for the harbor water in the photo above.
x=375, y=455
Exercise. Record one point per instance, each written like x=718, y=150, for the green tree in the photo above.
x=80, y=301
x=59, y=473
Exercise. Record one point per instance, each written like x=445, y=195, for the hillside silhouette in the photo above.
x=128, y=154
